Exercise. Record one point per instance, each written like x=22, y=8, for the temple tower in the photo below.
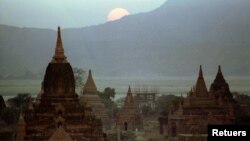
x=90, y=97
x=201, y=89
x=220, y=87
x=90, y=87
x=201, y=108
x=58, y=109
x=129, y=118
x=59, y=76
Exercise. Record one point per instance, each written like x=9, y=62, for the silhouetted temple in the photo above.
x=129, y=118
x=220, y=87
x=90, y=97
x=58, y=113
x=202, y=107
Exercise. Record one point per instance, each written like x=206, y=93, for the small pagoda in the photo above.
x=91, y=98
x=129, y=118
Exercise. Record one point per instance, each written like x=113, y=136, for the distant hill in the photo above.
x=172, y=40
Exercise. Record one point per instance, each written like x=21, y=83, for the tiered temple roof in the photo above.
x=90, y=97
x=90, y=87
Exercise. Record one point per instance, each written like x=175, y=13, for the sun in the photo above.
x=117, y=13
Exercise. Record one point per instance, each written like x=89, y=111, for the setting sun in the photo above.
x=117, y=13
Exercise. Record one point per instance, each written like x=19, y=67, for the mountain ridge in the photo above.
x=172, y=40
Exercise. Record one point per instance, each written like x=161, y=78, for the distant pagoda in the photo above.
x=90, y=97
x=220, y=87
x=129, y=118
x=58, y=110
x=202, y=107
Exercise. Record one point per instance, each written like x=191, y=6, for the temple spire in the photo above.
x=219, y=75
x=90, y=87
x=129, y=98
x=201, y=89
x=201, y=73
x=219, y=70
x=220, y=86
x=59, y=56
x=129, y=89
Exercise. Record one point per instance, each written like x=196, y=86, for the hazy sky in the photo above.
x=67, y=13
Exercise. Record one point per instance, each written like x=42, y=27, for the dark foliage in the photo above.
x=2, y=105
x=107, y=97
x=79, y=75
x=10, y=115
x=146, y=110
x=20, y=101
x=6, y=136
x=165, y=102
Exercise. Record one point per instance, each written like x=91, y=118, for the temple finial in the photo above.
x=129, y=89
x=59, y=56
x=59, y=38
x=129, y=98
x=200, y=72
x=219, y=69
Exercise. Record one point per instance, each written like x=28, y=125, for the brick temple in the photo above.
x=129, y=118
x=58, y=115
x=90, y=97
x=202, y=107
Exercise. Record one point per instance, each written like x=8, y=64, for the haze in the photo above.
x=67, y=13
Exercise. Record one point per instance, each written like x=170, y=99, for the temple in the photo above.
x=129, y=118
x=200, y=108
x=220, y=87
x=57, y=109
x=90, y=97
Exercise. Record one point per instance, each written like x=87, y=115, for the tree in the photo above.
x=165, y=102
x=2, y=105
x=79, y=75
x=20, y=101
x=108, y=93
x=146, y=110
x=107, y=97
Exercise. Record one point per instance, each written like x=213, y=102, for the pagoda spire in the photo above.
x=219, y=69
x=59, y=56
x=220, y=86
x=201, y=89
x=90, y=87
x=219, y=75
x=129, y=98
x=129, y=90
x=201, y=73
